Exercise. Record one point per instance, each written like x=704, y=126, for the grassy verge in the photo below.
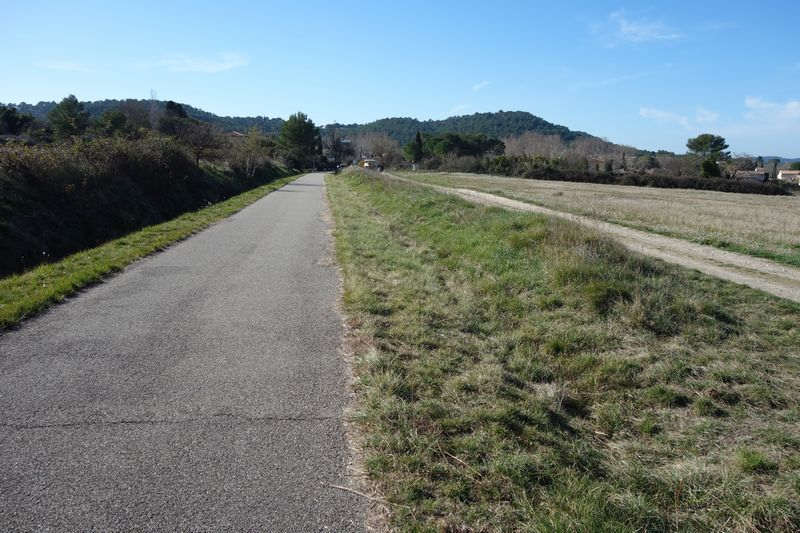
x=757, y=225
x=520, y=373
x=30, y=292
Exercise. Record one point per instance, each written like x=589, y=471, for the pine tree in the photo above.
x=69, y=118
x=415, y=149
x=300, y=141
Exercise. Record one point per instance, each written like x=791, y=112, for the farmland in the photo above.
x=759, y=225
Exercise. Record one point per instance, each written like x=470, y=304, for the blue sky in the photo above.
x=645, y=74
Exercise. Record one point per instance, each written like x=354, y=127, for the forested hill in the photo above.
x=95, y=109
x=501, y=124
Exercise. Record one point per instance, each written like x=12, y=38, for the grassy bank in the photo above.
x=56, y=199
x=751, y=224
x=30, y=292
x=517, y=373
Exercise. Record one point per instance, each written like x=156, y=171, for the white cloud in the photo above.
x=621, y=27
x=67, y=66
x=456, y=109
x=764, y=127
x=776, y=113
x=478, y=86
x=207, y=65
x=705, y=116
x=664, y=116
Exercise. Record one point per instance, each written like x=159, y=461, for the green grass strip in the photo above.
x=521, y=373
x=29, y=293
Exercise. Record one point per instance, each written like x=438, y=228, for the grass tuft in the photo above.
x=525, y=374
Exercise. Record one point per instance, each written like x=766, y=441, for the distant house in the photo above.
x=754, y=175
x=791, y=176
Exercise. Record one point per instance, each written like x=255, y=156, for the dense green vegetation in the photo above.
x=55, y=200
x=26, y=294
x=500, y=124
x=519, y=373
x=75, y=181
x=144, y=109
x=452, y=144
x=300, y=141
x=564, y=169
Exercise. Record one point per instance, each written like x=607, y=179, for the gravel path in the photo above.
x=201, y=389
x=768, y=276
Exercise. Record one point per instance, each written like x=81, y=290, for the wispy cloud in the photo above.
x=765, y=126
x=459, y=108
x=482, y=85
x=776, y=113
x=207, y=65
x=63, y=65
x=642, y=30
x=705, y=116
x=664, y=116
x=622, y=27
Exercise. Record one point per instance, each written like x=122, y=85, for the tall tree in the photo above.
x=710, y=169
x=174, y=119
x=414, y=150
x=112, y=122
x=12, y=122
x=69, y=118
x=174, y=109
x=201, y=137
x=708, y=146
x=300, y=141
x=774, y=172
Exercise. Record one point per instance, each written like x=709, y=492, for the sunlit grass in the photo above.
x=520, y=373
x=752, y=224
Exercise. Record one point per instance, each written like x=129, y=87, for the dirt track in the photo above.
x=768, y=276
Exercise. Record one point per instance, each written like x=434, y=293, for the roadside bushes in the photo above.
x=60, y=198
x=542, y=168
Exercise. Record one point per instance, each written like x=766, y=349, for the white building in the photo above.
x=792, y=176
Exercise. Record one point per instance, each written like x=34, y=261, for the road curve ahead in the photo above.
x=200, y=389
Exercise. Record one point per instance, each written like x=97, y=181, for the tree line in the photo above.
x=69, y=181
x=144, y=108
x=298, y=142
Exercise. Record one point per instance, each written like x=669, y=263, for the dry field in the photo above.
x=764, y=226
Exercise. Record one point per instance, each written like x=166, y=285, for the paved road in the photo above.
x=200, y=389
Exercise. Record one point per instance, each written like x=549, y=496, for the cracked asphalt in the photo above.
x=200, y=389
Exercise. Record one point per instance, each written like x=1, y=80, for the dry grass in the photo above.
x=759, y=225
x=525, y=374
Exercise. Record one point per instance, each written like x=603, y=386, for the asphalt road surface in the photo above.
x=200, y=389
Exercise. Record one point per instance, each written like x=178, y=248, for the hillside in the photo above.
x=95, y=109
x=781, y=160
x=500, y=124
